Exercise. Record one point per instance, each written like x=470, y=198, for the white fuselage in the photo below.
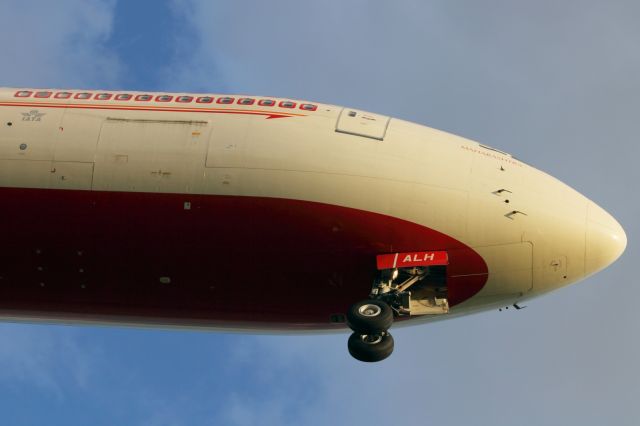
x=534, y=233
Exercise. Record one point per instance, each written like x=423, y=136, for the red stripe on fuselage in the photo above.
x=226, y=260
x=268, y=114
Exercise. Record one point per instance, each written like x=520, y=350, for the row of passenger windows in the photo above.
x=161, y=98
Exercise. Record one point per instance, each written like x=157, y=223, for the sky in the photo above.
x=557, y=84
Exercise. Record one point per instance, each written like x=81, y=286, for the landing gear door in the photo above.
x=361, y=123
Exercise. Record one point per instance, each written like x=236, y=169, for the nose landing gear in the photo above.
x=407, y=284
x=370, y=321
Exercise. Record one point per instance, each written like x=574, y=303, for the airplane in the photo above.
x=233, y=212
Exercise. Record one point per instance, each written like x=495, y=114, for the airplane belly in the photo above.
x=210, y=260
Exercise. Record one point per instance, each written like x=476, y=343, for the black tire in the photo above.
x=370, y=348
x=370, y=317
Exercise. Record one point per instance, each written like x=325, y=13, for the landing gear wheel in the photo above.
x=370, y=347
x=370, y=317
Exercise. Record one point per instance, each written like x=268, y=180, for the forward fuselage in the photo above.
x=261, y=213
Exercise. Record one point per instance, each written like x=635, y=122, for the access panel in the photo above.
x=150, y=155
x=361, y=123
x=510, y=268
x=45, y=174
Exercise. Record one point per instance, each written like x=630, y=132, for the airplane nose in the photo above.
x=605, y=239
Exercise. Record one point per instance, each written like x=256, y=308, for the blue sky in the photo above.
x=555, y=83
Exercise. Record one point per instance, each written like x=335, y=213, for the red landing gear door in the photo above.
x=411, y=259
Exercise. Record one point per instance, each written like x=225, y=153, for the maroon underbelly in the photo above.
x=218, y=260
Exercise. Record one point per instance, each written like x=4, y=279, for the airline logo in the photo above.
x=408, y=260
x=33, y=115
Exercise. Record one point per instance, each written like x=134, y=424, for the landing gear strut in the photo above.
x=370, y=321
x=406, y=285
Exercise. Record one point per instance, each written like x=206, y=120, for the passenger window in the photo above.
x=123, y=97
x=266, y=102
x=23, y=94
x=184, y=99
x=246, y=101
x=204, y=100
x=225, y=100
x=287, y=104
x=143, y=98
x=62, y=95
x=308, y=107
x=83, y=96
x=103, y=96
x=43, y=94
x=164, y=98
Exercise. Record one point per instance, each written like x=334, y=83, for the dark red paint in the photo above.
x=233, y=261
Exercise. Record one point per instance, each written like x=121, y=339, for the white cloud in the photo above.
x=57, y=44
x=45, y=357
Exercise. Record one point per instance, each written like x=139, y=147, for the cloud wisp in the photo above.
x=58, y=44
x=48, y=358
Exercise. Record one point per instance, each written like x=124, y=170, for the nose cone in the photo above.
x=605, y=240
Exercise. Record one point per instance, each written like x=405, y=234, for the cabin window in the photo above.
x=225, y=100
x=287, y=104
x=62, y=95
x=164, y=98
x=123, y=97
x=23, y=94
x=143, y=98
x=43, y=94
x=246, y=101
x=184, y=99
x=267, y=102
x=308, y=107
x=204, y=100
x=103, y=96
x=83, y=96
